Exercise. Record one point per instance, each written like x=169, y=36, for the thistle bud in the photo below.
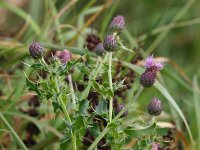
x=119, y=107
x=147, y=79
x=36, y=50
x=117, y=23
x=155, y=107
x=110, y=43
x=92, y=41
x=64, y=56
x=100, y=49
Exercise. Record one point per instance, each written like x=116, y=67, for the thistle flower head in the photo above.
x=36, y=50
x=155, y=107
x=64, y=56
x=117, y=23
x=110, y=43
x=147, y=79
x=92, y=41
x=151, y=63
x=100, y=49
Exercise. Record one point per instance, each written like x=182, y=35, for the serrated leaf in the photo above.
x=101, y=109
x=69, y=65
x=119, y=85
x=32, y=86
x=37, y=66
x=56, y=106
x=83, y=106
x=101, y=89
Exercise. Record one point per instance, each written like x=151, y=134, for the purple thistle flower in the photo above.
x=117, y=23
x=110, y=43
x=36, y=50
x=155, y=107
x=64, y=56
x=147, y=79
x=151, y=63
x=100, y=49
x=159, y=65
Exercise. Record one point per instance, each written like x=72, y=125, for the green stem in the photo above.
x=106, y=129
x=93, y=76
x=44, y=63
x=71, y=89
x=21, y=144
x=65, y=110
x=122, y=46
x=110, y=84
x=138, y=93
x=66, y=114
x=68, y=118
x=98, y=138
x=110, y=109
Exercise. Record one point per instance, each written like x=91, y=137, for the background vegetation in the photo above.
x=168, y=29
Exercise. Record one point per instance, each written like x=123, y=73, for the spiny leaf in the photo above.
x=83, y=106
x=101, y=89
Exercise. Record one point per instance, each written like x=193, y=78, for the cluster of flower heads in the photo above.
x=147, y=79
x=110, y=42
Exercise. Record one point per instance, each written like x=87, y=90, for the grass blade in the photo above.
x=196, y=97
x=16, y=137
x=21, y=14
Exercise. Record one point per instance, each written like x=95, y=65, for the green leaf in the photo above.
x=118, y=85
x=69, y=65
x=56, y=106
x=101, y=109
x=83, y=106
x=32, y=86
x=134, y=132
x=64, y=142
x=37, y=66
x=101, y=89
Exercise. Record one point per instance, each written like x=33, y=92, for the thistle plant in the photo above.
x=93, y=116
